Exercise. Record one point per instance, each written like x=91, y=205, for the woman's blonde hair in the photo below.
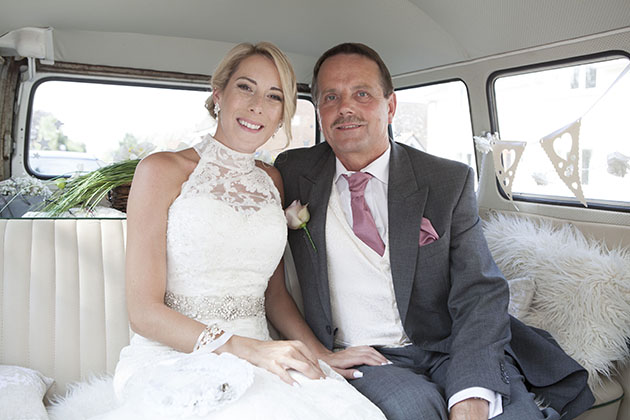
x=227, y=67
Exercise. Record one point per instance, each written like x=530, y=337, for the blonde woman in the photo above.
x=206, y=234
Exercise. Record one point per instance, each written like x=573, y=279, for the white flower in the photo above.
x=8, y=187
x=265, y=156
x=484, y=144
x=297, y=215
x=540, y=178
x=126, y=152
x=618, y=164
x=24, y=185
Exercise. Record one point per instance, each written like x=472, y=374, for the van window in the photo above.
x=536, y=103
x=81, y=125
x=436, y=119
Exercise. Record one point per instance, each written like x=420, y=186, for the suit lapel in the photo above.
x=406, y=201
x=315, y=188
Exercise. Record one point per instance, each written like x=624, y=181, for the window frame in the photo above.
x=470, y=117
x=122, y=77
x=95, y=80
x=304, y=93
x=494, y=123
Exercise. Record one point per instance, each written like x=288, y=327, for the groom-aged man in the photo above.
x=400, y=263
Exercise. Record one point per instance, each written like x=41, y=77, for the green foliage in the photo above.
x=47, y=134
x=86, y=191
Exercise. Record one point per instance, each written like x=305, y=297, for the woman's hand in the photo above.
x=275, y=356
x=343, y=360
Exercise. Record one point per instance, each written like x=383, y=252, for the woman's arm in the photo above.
x=157, y=182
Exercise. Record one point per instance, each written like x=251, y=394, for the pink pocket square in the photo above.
x=427, y=233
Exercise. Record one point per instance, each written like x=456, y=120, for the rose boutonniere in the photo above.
x=297, y=217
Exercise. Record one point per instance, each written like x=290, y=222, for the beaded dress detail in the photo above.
x=226, y=233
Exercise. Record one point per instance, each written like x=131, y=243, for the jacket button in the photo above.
x=335, y=331
x=328, y=329
x=504, y=375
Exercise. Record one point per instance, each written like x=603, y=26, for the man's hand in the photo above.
x=470, y=409
x=342, y=361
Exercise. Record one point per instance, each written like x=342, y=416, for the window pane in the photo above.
x=436, y=119
x=533, y=105
x=81, y=126
x=302, y=129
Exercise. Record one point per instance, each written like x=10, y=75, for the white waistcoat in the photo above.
x=362, y=298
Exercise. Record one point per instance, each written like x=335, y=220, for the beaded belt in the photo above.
x=212, y=307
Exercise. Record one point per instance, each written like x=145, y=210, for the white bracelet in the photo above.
x=211, y=338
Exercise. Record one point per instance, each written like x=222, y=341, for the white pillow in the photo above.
x=22, y=392
x=521, y=294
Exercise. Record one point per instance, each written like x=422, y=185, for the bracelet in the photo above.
x=211, y=338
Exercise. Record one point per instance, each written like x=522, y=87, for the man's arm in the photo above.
x=477, y=303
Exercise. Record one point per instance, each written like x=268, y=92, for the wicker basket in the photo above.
x=117, y=196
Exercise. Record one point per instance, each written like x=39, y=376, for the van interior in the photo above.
x=534, y=96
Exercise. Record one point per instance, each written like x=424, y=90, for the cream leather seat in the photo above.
x=62, y=296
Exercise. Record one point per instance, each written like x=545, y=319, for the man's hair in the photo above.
x=353, y=48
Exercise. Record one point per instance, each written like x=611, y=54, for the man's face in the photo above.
x=353, y=112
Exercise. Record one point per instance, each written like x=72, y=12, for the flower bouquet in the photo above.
x=87, y=191
x=18, y=195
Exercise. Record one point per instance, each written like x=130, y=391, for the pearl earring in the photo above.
x=217, y=109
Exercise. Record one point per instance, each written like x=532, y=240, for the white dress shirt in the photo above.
x=375, y=191
x=376, y=199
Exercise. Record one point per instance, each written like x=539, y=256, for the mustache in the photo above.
x=347, y=120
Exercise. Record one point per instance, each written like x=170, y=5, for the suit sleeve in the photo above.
x=477, y=304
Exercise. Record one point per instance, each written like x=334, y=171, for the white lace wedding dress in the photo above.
x=226, y=234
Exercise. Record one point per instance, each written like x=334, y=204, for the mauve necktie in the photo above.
x=363, y=223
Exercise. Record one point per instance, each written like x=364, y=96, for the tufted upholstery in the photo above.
x=62, y=296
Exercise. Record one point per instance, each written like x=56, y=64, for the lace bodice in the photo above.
x=226, y=234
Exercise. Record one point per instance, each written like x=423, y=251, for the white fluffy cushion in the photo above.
x=21, y=393
x=582, y=290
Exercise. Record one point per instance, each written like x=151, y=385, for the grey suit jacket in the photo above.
x=451, y=296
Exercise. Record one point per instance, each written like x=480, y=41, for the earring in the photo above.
x=217, y=109
x=277, y=129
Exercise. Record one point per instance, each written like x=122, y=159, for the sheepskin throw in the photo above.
x=581, y=289
x=85, y=400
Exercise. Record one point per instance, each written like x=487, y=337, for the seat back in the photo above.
x=62, y=296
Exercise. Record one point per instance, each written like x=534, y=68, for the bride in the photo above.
x=206, y=234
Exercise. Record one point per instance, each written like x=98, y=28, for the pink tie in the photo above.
x=362, y=221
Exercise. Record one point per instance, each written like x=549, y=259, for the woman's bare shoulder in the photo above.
x=168, y=165
x=165, y=171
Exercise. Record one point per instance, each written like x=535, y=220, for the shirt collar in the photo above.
x=379, y=168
